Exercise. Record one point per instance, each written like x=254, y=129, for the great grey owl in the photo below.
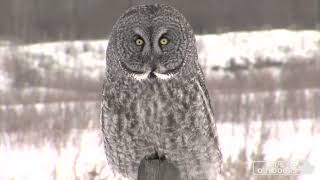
x=155, y=102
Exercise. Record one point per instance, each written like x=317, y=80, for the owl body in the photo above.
x=153, y=102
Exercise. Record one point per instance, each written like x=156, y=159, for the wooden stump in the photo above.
x=157, y=169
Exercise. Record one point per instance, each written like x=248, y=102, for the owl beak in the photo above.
x=153, y=68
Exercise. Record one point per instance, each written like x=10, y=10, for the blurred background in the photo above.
x=261, y=60
x=42, y=20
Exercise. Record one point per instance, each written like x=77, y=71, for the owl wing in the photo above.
x=212, y=130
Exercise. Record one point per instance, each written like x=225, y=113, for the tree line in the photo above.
x=42, y=20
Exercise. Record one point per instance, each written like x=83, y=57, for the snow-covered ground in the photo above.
x=83, y=153
x=75, y=54
x=288, y=140
x=279, y=45
x=214, y=51
x=5, y=81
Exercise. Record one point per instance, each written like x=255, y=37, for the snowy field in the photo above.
x=243, y=48
x=83, y=154
x=279, y=45
x=79, y=154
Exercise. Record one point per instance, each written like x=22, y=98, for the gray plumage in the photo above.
x=154, y=96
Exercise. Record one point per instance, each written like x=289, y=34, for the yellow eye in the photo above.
x=139, y=42
x=164, y=41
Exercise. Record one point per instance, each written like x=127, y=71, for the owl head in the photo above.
x=151, y=42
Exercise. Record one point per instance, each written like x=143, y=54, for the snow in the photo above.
x=49, y=160
x=295, y=140
x=216, y=50
x=278, y=45
x=53, y=106
x=292, y=140
x=281, y=143
x=89, y=54
x=5, y=80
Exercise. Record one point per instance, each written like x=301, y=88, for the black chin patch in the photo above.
x=152, y=75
